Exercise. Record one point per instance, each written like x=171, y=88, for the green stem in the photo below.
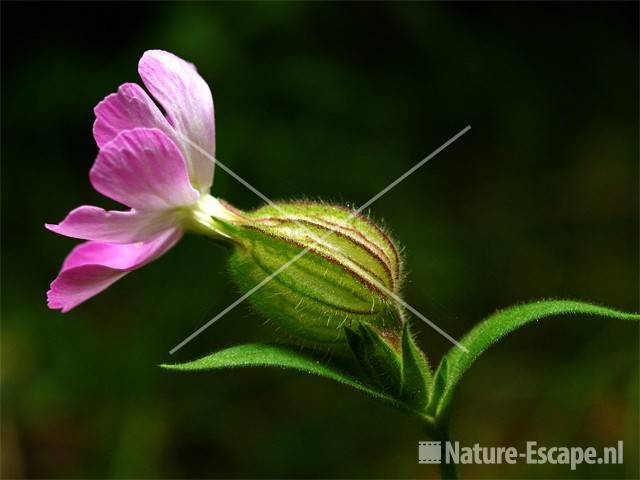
x=448, y=471
x=440, y=432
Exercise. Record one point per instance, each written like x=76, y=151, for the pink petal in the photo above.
x=187, y=100
x=143, y=169
x=127, y=109
x=93, y=223
x=91, y=267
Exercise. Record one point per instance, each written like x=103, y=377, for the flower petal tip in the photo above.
x=54, y=303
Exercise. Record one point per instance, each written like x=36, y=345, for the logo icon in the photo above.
x=429, y=452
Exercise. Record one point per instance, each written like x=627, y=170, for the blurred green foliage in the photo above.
x=331, y=101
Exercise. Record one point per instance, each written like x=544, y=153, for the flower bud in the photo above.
x=330, y=269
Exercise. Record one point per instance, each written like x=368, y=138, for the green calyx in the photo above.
x=322, y=268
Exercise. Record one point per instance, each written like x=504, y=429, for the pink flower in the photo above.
x=151, y=163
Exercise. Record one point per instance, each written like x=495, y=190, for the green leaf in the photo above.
x=416, y=376
x=379, y=361
x=272, y=355
x=492, y=329
x=437, y=387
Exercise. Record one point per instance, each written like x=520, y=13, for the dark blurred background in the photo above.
x=331, y=101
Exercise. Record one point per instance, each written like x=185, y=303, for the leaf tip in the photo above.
x=169, y=366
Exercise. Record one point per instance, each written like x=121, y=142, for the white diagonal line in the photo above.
x=422, y=317
x=241, y=180
x=415, y=167
x=331, y=232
